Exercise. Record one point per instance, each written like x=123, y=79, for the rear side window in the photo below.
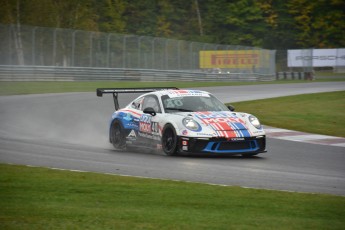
x=137, y=104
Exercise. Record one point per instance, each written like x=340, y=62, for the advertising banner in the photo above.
x=316, y=58
x=228, y=59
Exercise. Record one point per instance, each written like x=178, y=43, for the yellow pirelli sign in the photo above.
x=228, y=59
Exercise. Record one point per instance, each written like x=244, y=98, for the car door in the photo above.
x=149, y=123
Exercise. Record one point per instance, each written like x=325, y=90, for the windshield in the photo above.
x=192, y=104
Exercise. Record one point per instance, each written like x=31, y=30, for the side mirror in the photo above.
x=231, y=108
x=150, y=110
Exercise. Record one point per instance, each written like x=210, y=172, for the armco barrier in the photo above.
x=291, y=75
x=52, y=73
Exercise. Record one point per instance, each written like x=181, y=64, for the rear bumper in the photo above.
x=222, y=146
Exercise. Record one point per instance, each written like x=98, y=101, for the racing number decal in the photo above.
x=154, y=128
x=146, y=125
x=172, y=103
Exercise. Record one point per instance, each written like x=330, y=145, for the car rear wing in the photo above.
x=116, y=91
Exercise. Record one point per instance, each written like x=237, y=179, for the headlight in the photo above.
x=254, y=121
x=190, y=124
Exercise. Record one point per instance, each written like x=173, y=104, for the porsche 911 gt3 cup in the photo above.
x=183, y=121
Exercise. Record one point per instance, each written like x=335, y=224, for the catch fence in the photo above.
x=66, y=48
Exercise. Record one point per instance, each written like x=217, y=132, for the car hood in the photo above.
x=223, y=123
x=221, y=120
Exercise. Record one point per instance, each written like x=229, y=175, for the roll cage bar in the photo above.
x=116, y=91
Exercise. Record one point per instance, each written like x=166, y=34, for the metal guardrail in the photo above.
x=53, y=73
x=294, y=76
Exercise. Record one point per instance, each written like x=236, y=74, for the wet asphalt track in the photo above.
x=69, y=131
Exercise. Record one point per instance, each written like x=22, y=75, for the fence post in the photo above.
x=91, y=45
x=33, y=37
x=124, y=52
x=108, y=49
x=73, y=47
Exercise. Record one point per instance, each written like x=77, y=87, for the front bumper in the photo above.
x=251, y=145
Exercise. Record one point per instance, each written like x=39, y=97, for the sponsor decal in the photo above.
x=325, y=57
x=144, y=127
x=221, y=120
x=185, y=132
x=128, y=117
x=149, y=136
x=182, y=93
x=228, y=59
x=224, y=124
x=132, y=112
x=130, y=125
x=237, y=139
x=151, y=128
x=234, y=59
x=206, y=134
x=316, y=57
x=148, y=127
x=132, y=134
x=212, y=117
x=258, y=132
x=145, y=123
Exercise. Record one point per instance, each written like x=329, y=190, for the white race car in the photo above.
x=183, y=121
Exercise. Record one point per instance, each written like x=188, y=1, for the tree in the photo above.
x=281, y=30
x=75, y=14
x=237, y=22
x=274, y=24
x=140, y=17
x=163, y=26
x=110, y=15
x=320, y=23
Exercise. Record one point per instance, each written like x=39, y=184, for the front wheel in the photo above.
x=169, y=140
x=117, y=137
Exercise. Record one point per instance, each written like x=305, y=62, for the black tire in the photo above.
x=169, y=140
x=117, y=136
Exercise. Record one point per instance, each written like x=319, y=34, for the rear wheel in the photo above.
x=117, y=136
x=169, y=140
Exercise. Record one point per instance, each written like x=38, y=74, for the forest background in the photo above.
x=269, y=24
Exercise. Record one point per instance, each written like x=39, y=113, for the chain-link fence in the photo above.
x=39, y=46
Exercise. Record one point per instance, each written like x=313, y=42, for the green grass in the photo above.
x=322, y=113
x=17, y=88
x=40, y=198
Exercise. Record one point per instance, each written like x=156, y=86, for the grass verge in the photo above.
x=40, y=198
x=322, y=113
x=17, y=88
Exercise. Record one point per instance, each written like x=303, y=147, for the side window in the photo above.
x=137, y=104
x=151, y=101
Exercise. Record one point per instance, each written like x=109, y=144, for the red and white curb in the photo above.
x=290, y=135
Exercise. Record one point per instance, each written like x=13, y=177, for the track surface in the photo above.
x=69, y=131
